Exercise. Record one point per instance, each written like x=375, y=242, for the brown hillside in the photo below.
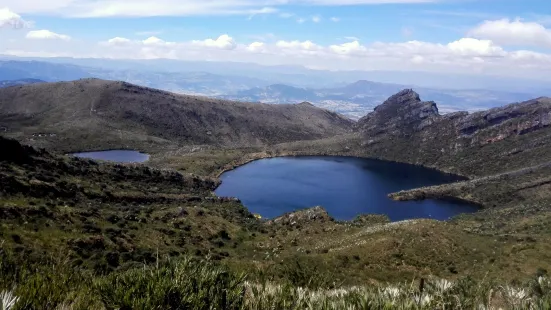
x=92, y=113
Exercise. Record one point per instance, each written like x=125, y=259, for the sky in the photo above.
x=496, y=37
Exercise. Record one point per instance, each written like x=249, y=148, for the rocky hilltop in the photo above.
x=403, y=113
x=404, y=128
x=92, y=113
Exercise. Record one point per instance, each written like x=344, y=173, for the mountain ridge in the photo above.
x=361, y=97
x=97, y=111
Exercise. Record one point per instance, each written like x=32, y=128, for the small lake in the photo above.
x=119, y=156
x=344, y=186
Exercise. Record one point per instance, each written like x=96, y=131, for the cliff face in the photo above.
x=404, y=128
x=403, y=113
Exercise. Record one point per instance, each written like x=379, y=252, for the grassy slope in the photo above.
x=96, y=114
x=507, y=243
x=106, y=217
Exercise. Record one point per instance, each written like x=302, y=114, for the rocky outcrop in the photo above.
x=401, y=114
x=315, y=214
x=523, y=118
x=406, y=129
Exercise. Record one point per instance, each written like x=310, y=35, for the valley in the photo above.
x=112, y=219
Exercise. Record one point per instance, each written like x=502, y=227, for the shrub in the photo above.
x=185, y=284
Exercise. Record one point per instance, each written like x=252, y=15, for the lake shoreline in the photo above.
x=265, y=155
x=359, y=183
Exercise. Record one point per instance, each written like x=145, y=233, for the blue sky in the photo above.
x=335, y=34
x=438, y=21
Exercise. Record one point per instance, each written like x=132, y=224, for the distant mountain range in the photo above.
x=201, y=83
x=20, y=82
x=301, y=76
x=357, y=99
x=351, y=99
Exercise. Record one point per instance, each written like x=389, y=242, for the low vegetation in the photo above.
x=78, y=234
x=189, y=283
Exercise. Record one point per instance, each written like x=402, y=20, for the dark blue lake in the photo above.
x=120, y=156
x=344, y=186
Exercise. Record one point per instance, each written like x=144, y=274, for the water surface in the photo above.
x=120, y=156
x=344, y=186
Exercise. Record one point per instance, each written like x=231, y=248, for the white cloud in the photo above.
x=335, y=19
x=316, y=19
x=9, y=19
x=305, y=45
x=516, y=32
x=156, y=41
x=347, y=48
x=301, y=20
x=111, y=8
x=286, y=15
x=417, y=59
x=474, y=47
x=223, y=42
x=464, y=55
x=256, y=47
x=46, y=35
x=118, y=41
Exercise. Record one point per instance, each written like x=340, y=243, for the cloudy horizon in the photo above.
x=455, y=37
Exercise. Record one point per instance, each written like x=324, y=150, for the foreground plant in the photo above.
x=196, y=284
x=8, y=300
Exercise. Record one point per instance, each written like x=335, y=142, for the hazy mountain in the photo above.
x=202, y=83
x=303, y=77
x=276, y=85
x=359, y=98
x=15, y=70
x=20, y=82
x=191, y=83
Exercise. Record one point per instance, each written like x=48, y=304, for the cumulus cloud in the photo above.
x=156, y=41
x=118, y=41
x=513, y=32
x=305, y=45
x=460, y=56
x=256, y=47
x=9, y=19
x=474, y=47
x=417, y=59
x=316, y=19
x=347, y=48
x=223, y=42
x=335, y=19
x=46, y=35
